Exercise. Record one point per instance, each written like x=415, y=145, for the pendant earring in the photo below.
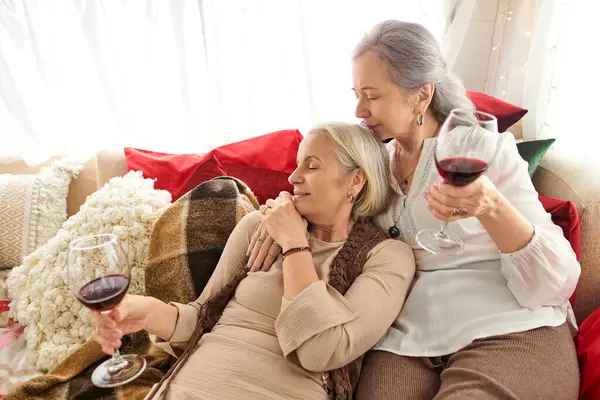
x=419, y=119
x=351, y=198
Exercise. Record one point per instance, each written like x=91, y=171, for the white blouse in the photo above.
x=481, y=292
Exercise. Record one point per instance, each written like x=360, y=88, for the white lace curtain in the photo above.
x=545, y=59
x=179, y=75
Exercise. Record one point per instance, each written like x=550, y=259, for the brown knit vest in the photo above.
x=346, y=266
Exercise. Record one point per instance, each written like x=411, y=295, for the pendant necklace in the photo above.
x=394, y=231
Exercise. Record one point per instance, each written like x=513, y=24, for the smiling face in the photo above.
x=383, y=106
x=321, y=185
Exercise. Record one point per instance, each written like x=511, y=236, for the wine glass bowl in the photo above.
x=464, y=148
x=98, y=274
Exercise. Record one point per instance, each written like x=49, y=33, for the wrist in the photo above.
x=150, y=304
x=293, y=242
x=497, y=202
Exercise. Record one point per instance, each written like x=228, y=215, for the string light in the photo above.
x=508, y=14
x=523, y=68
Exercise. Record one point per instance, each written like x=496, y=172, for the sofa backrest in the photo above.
x=97, y=170
x=566, y=178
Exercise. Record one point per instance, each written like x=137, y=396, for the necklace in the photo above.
x=404, y=183
x=393, y=230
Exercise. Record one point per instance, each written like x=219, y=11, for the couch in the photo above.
x=558, y=176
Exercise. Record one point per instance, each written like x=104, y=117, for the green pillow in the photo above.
x=533, y=151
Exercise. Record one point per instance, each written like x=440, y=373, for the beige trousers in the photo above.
x=536, y=364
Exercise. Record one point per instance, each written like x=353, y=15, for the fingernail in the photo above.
x=116, y=334
x=426, y=195
x=114, y=344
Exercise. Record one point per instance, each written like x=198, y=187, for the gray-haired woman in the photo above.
x=492, y=322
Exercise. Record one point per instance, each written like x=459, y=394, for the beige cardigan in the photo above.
x=265, y=347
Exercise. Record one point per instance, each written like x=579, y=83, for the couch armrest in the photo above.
x=567, y=178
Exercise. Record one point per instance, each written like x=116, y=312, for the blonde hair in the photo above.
x=356, y=147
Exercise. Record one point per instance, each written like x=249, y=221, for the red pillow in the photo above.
x=588, y=353
x=174, y=172
x=564, y=214
x=264, y=163
x=506, y=113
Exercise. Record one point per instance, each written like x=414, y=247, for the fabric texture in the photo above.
x=56, y=323
x=564, y=214
x=263, y=163
x=188, y=239
x=588, y=353
x=15, y=366
x=218, y=200
x=533, y=151
x=536, y=364
x=514, y=292
x=507, y=114
x=260, y=331
x=4, y=299
x=32, y=209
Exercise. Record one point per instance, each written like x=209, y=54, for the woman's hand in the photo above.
x=283, y=222
x=450, y=203
x=262, y=250
x=131, y=315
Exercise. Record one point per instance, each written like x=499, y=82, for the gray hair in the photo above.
x=357, y=148
x=413, y=58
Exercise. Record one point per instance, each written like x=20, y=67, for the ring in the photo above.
x=263, y=209
x=459, y=212
x=259, y=239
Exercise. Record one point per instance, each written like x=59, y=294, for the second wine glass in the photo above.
x=464, y=148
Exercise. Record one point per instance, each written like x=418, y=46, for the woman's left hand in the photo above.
x=450, y=203
x=283, y=222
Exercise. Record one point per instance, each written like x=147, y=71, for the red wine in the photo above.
x=104, y=293
x=459, y=171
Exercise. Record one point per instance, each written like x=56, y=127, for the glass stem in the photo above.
x=117, y=363
x=443, y=232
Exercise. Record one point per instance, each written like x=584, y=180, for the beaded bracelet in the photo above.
x=295, y=250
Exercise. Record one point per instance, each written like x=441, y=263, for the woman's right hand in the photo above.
x=262, y=253
x=131, y=315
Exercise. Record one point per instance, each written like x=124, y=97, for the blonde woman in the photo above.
x=295, y=331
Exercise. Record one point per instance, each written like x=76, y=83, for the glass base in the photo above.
x=106, y=375
x=438, y=242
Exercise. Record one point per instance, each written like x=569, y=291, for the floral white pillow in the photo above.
x=56, y=323
x=32, y=209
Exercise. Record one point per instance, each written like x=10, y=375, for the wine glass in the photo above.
x=463, y=150
x=99, y=274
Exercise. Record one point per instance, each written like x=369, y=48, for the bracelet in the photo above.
x=295, y=250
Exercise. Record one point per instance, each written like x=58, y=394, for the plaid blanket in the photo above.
x=185, y=246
